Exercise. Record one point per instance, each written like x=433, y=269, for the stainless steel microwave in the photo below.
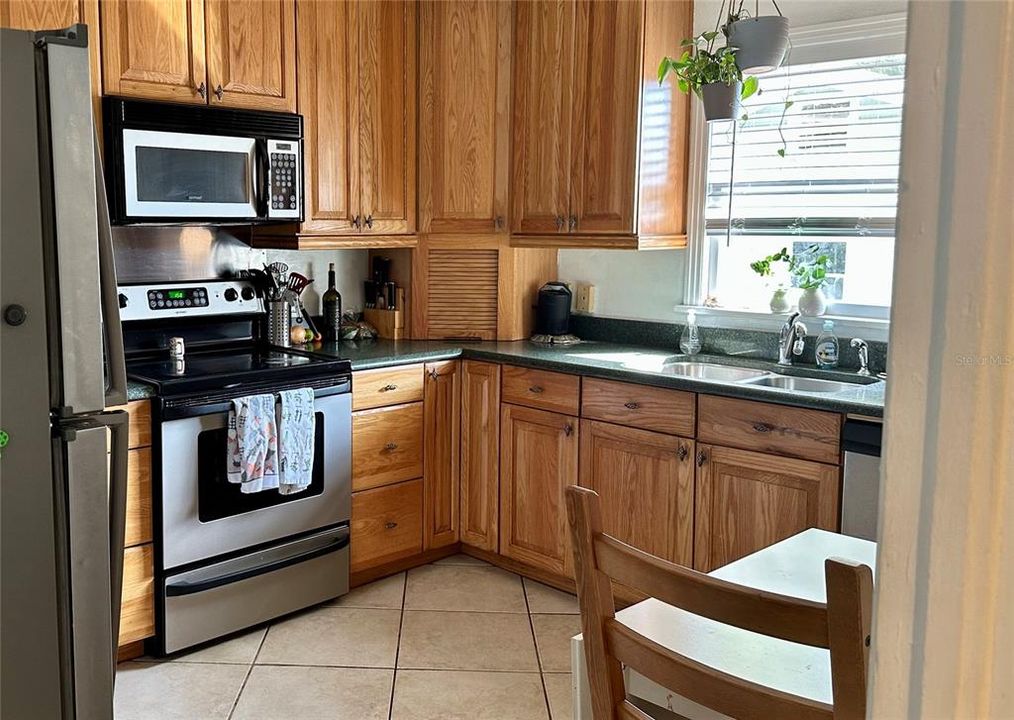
x=169, y=163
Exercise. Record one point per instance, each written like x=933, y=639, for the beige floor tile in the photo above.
x=456, y=695
x=466, y=641
x=464, y=588
x=176, y=691
x=240, y=650
x=461, y=559
x=352, y=637
x=552, y=636
x=560, y=694
x=545, y=599
x=312, y=693
x=386, y=593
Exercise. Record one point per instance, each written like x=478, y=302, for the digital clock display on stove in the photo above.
x=181, y=298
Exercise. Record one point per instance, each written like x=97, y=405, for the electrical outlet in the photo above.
x=584, y=298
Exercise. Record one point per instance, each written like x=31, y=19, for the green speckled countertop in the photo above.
x=611, y=361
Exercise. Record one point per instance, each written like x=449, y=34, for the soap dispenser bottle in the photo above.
x=690, y=338
x=827, y=347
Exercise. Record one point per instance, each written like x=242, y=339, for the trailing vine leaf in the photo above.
x=781, y=152
x=749, y=87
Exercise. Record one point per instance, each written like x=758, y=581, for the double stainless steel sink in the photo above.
x=753, y=376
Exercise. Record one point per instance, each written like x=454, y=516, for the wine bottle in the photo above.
x=332, y=307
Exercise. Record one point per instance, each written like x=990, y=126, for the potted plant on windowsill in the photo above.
x=765, y=267
x=809, y=272
x=760, y=41
x=711, y=74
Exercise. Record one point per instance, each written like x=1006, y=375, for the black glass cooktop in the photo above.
x=234, y=368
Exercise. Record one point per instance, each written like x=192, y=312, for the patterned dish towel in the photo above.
x=297, y=430
x=253, y=443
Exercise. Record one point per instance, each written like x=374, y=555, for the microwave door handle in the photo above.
x=112, y=334
x=260, y=189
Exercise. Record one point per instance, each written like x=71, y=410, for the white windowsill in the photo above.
x=844, y=327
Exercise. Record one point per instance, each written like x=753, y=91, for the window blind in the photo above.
x=841, y=138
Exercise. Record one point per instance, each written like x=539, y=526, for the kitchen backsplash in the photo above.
x=145, y=254
x=761, y=345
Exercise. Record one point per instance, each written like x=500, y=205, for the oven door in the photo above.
x=186, y=175
x=203, y=515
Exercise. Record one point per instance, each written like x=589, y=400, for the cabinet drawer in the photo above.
x=137, y=606
x=386, y=524
x=541, y=389
x=387, y=445
x=138, y=528
x=387, y=386
x=797, y=432
x=139, y=419
x=640, y=406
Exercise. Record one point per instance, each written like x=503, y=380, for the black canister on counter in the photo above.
x=331, y=305
x=552, y=310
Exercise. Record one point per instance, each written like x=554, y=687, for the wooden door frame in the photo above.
x=943, y=627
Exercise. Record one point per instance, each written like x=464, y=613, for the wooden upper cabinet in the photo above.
x=538, y=460
x=747, y=500
x=328, y=101
x=154, y=49
x=39, y=15
x=597, y=142
x=251, y=50
x=387, y=97
x=543, y=75
x=441, y=453
x=464, y=102
x=646, y=482
x=607, y=64
x=480, y=461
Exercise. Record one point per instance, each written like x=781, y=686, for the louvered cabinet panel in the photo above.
x=461, y=293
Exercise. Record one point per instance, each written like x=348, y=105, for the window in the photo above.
x=836, y=186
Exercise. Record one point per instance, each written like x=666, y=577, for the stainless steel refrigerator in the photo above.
x=64, y=458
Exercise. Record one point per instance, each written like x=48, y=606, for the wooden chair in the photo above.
x=842, y=625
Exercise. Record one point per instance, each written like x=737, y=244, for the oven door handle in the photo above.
x=189, y=588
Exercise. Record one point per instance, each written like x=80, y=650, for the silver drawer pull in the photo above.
x=631, y=405
x=388, y=388
x=535, y=389
x=681, y=453
x=762, y=427
x=391, y=446
x=390, y=525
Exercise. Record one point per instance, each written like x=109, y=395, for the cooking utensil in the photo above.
x=298, y=282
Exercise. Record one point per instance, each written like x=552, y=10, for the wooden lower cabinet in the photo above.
x=387, y=445
x=646, y=483
x=441, y=453
x=480, y=454
x=137, y=604
x=538, y=460
x=747, y=500
x=386, y=524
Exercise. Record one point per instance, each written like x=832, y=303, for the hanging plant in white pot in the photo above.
x=711, y=74
x=760, y=40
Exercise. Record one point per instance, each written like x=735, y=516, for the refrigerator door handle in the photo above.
x=112, y=335
x=119, y=429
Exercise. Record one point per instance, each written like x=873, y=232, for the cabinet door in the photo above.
x=252, y=54
x=746, y=501
x=154, y=49
x=387, y=94
x=646, y=482
x=543, y=75
x=538, y=460
x=386, y=525
x=441, y=453
x=464, y=99
x=329, y=102
x=607, y=51
x=36, y=15
x=480, y=459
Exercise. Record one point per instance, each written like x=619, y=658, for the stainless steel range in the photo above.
x=226, y=560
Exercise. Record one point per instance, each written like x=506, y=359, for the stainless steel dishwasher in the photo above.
x=860, y=501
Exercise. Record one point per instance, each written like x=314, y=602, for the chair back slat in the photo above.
x=788, y=618
x=842, y=625
x=706, y=686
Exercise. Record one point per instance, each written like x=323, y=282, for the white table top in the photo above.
x=795, y=567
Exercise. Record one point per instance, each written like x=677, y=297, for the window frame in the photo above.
x=864, y=37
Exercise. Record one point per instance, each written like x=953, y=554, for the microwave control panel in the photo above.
x=285, y=178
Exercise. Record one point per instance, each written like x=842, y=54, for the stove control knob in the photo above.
x=123, y=300
x=231, y=294
x=247, y=293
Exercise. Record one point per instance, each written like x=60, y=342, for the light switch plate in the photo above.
x=584, y=298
